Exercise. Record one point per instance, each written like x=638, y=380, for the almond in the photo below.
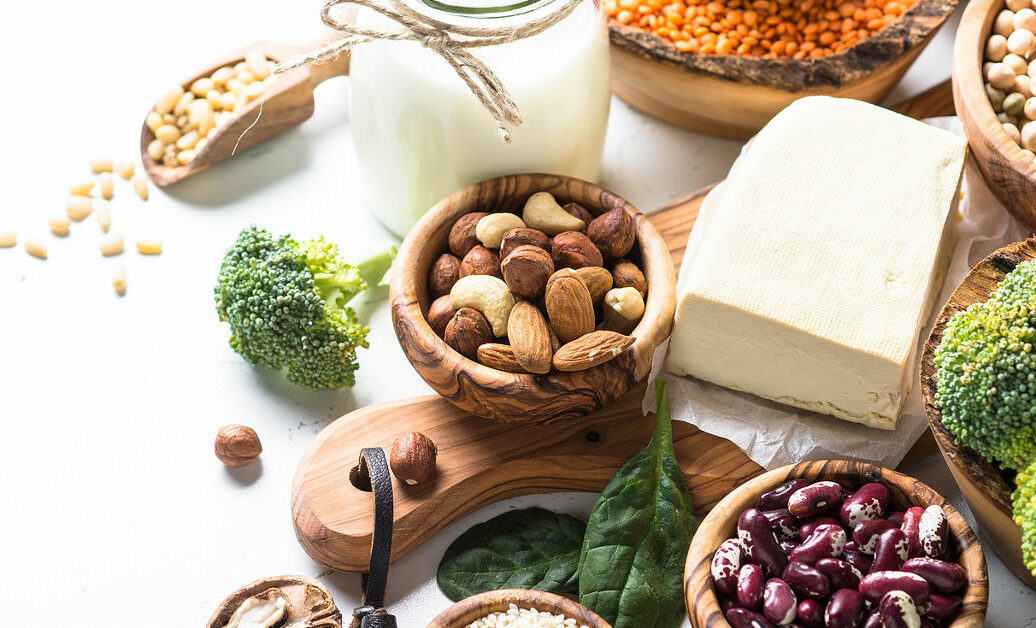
x=500, y=357
x=590, y=350
x=596, y=279
x=570, y=308
x=529, y=335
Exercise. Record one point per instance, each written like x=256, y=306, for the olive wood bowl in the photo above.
x=987, y=491
x=905, y=492
x=520, y=397
x=1008, y=172
x=734, y=96
x=466, y=611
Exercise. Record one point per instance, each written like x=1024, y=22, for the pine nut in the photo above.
x=153, y=121
x=101, y=164
x=213, y=98
x=112, y=245
x=155, y=150
x=167, y=134
x=240, y=67
x=59, y=225
x=149, y=247
x=236, y=87
x=36, y=248
x=125, y=169
x=107, y=185
x=181, y=105
x=187, y=141
x=257, y=64
x=119, y=279
x=201, y=144
x=139, y=181
x=246, y=77
x=169, y=118
x=81, y=188
x=255, y=90
x=8, y=239
x=166, y=103
x=201, y=87
x=79, y=207
x=186, y=156
x=222, y=75
x=227, y=100
x=103, y=213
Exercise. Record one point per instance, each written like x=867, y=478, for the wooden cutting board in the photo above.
x=481, y=462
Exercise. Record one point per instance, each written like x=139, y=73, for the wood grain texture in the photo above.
x=904, y=491
x=987, y=492
x=1010, y=174
x=463, y=613
x=522, y=397
x=734, y=96
x=285, y=104
x=311, y=602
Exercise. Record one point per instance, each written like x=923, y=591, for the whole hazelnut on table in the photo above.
x=412, y=457
x=237, y=445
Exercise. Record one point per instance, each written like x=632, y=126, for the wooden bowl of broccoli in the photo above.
x=978, y=381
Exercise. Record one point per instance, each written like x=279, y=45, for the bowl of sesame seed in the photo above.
x=517, y=607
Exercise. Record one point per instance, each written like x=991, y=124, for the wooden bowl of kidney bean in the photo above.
x=835, y=543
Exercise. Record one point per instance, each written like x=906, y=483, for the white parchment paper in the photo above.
x=773, y=434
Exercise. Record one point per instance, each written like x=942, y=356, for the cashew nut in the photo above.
x=623, y=308
x=490, y=229
x=542, y=212
x=488, y=295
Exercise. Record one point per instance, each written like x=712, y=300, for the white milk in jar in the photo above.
x=420, y=134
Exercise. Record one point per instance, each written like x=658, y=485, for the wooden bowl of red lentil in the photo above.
x=725, y=67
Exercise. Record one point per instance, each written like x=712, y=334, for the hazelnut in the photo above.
x=628, y=275
x=237, y=445
x=468, y=330
x=462, y=234
x=440, y=313
x=480, y=261
x=412, y=457
x=519, y=236
x=445, y=272
x=579, y=212
x=623, y=309
x=572, y=249
x=613, y=233
x=526, y=271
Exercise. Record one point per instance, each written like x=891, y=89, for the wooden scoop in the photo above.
x=286, y=103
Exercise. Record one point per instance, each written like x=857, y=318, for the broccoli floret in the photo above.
x=1024, y=499
x=286, y=305
x=987, y=372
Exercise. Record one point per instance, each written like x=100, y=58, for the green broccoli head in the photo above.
x=987, y=372
x=1024, y=499
x=286, y=305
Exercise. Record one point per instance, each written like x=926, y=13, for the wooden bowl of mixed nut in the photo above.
x=532, y=298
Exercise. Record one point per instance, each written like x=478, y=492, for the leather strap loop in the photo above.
x=372, y=613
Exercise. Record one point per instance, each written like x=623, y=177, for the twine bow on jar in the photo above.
x=449, y=41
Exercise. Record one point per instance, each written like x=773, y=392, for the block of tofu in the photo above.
x=810, y=274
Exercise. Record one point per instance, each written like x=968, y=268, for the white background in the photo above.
x=113, y=510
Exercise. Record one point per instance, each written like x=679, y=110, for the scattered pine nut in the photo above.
x=81, y=188
x=101, y=164
x=79, y=207
x=59, y=225
x=103, y=212
x=106, y=185
x=149, y=247
x=126, y=168
x=139, y=181
x=112, y=245
x=119, y=279
x=8, y=239
x=36, y=248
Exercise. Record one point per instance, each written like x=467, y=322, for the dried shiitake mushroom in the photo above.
x=309, y=604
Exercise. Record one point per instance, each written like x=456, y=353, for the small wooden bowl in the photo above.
x=734, y=96
x=1009, y=173
x=519, y=397
x=987, y=492
x=905, y=492
x=469, y=609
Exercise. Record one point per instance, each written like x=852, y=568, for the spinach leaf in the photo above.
x=521, y=549
x=631, y=564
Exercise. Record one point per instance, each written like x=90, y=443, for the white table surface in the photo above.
x=114, y=510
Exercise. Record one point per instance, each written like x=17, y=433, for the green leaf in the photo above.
x=521, y=549
x=631, y=564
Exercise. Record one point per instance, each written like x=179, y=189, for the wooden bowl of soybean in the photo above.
x=464, y=613
x=985, y=488
x=904, y=492
x=525, y=397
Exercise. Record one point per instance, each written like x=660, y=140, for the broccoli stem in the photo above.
x=375, y=269
x=343, y=285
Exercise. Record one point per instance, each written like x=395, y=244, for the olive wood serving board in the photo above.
x=481, y=462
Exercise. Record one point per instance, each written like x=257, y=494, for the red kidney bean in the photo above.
x=750, y=585
x=932, y=531
x=785, y=525
x=852, y=555
x=844, y=610
x=788, y=546
x=779, y=603
x=806, y=581
x=726, y=603
x=744, y=618
x=808, y=527
x=911, y=522
x=811, y=614
x=890, y=551
x=816, y=498
x=759, y=542
x=865, y=533
x=867, y=503
x=941, y=575
x=874, y=586
x=778, y=497
x=827, y=541
x=873, y=620
x=942, y=606
x=839, y=573
x=726, y=563
x=898, y=610
x=896, y=517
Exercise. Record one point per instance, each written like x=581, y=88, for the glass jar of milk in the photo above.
x=420, y=134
